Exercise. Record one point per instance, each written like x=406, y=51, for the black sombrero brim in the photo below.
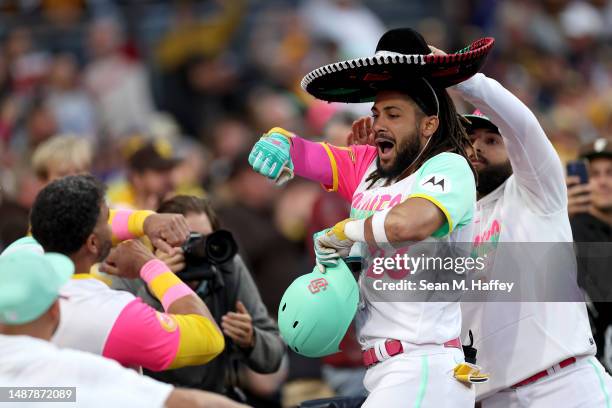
x=479, y=122
x=358, y=80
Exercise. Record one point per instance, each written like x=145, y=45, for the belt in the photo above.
x=545, y=373
x=393, y=348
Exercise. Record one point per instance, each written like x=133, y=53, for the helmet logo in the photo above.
x=317, y=285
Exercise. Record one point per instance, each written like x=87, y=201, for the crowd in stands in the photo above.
x=162, y=102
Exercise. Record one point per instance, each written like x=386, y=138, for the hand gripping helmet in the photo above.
x=317, y=310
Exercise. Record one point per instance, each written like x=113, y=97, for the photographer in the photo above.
x=209, y=265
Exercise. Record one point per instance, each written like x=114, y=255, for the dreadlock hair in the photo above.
x=450, y=136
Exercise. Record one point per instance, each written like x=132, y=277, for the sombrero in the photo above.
x=479, y=120
x=401, y=55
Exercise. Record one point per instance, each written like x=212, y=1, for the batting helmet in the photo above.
x=317, y=310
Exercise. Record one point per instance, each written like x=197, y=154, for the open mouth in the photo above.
x=478, y=162
x=385, y=146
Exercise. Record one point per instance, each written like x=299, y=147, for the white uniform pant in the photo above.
x=584, y=384
x=420, y=378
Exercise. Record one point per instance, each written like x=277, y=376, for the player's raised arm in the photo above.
x=534, y=161
x=185, y=335
x=280, y=154
x=164, y=230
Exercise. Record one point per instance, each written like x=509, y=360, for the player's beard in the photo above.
x=105, y=250
x=406, y=154
x=493, y=176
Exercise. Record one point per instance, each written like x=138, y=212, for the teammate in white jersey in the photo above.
x=539, y=354
x=415, y=185
x=30, y=313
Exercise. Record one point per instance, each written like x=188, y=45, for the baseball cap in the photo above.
x=30, y=283
x=25, y=243
x=153, y=156
x=600, y=147
x=479, y=120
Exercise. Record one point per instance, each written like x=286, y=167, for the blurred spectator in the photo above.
x=9, y=111
x=71, y=105
x=234, y=301
x=590, y=207
x=193, y=35
x=319, y=114
x=27, y=65
x=61, y=156
x=293, y=209
x=280, y=47
x=582, y=22
x=119, y=84
x=269, y=108
x=39, y=125
x=14, y=222
x=200, y=91
x=545, y=26
x=199, y=75
x=149, y=178
x=348, y=23
x=229, y=137
x=190, y=174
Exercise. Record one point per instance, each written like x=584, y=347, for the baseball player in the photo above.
x=538, y=354
x=71, y=217
x=415, y=184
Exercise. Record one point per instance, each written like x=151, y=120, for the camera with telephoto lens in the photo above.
x=204, y=252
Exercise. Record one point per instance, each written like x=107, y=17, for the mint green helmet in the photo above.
x=317, y=310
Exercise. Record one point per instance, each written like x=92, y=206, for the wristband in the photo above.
x=152, y=269
x=136, y=222
x=174, y=293
x=164, y=285
x=355, y=230
x=378, y=227
x=120, y=224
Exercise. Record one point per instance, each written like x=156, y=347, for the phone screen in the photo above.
x=578, y=168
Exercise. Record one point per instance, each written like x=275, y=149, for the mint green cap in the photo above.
x=27, y=243
x=30, y=282
x=317, y=309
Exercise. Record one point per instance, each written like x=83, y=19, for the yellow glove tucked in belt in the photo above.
x=469, y=374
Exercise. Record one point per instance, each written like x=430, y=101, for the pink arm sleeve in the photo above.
x=337, y=168
x=142, y=336
x=310, y=160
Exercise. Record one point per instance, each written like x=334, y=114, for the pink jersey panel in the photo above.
x=349, y=164
x=143, y=337
x=352, y=165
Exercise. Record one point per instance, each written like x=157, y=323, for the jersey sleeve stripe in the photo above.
x=334, y=166
x=437, y=204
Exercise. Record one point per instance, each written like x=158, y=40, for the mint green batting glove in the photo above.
x=271, y=157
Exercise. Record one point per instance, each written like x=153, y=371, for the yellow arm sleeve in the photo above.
x=199, y=343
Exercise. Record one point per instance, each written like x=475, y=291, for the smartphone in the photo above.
x=578, y=168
